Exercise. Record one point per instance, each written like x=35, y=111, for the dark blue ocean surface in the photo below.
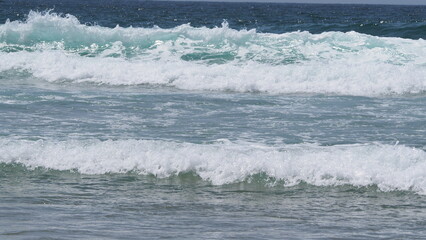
x=378, y=20
x=146, y=119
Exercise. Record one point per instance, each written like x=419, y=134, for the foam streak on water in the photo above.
x=59, y=48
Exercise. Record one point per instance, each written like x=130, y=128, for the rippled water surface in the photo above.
x=134, y=119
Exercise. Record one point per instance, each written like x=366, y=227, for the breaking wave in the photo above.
x=222, y=162
x=59, y=48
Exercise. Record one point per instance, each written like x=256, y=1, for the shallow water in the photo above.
x=211, y=120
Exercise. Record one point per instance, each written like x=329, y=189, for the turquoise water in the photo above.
x=211, y=120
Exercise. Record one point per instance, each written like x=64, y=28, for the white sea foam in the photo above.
x=60, y=48
x=340, y=77
x=389, y=167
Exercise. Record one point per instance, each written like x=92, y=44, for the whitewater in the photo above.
x=206, y=120
x=58, y=48
x=388, y=167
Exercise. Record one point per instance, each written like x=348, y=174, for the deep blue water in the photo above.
x=146, y=119
x=378, y=20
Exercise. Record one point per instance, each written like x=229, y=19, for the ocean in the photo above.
x=206, y=120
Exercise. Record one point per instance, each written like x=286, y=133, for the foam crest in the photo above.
x=203, y=43
x=50, y=27
x=339, y=77
x=59, y=48
x=389, y=167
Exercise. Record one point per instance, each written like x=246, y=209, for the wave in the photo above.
x=411, y=30
x=59, y=48
x=222, y=162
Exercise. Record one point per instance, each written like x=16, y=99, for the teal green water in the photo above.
x=209, y=120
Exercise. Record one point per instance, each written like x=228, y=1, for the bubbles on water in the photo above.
x=57, y=48
x=389, y=167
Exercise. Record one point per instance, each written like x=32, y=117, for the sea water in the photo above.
x=196, y=120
